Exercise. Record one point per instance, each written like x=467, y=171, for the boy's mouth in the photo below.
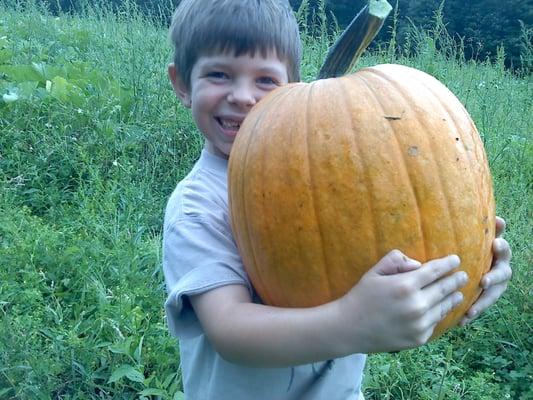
x=230, y=125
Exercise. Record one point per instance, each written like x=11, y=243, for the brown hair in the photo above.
x=204, y=27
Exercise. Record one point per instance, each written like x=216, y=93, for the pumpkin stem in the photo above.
x=349, y=46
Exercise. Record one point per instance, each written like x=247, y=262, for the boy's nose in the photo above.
x=242, y=95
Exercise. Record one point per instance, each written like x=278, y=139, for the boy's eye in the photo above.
x=268, y=81
x=216, y=75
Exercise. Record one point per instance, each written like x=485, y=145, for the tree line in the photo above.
x=483, y=26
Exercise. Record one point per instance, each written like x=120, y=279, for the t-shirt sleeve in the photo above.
x=198, y=256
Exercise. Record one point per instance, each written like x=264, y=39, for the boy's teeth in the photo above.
x=229, y=124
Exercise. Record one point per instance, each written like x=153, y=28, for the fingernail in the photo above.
x=458, y=298
x=411, y=261
x=463, y=277
x=456, y=259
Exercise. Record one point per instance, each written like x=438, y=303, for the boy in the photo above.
x=228, y=55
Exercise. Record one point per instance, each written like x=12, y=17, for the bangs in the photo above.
x=244, y=37
x=239, y=27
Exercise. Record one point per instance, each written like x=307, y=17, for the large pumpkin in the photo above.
x=326, y=178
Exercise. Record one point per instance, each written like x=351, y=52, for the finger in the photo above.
x=487, y=299
x=444, y=287
x=435, y=269
x=501, y=272
x=395, y=262
x=438, y=312
x=501, y=250
x=500, y=226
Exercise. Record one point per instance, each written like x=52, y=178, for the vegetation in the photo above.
x=92, y=142
x=484, y=26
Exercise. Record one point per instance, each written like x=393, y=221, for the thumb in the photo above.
x=395, y=262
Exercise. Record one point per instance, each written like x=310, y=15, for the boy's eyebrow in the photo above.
x=217, y=64
x=270, y=70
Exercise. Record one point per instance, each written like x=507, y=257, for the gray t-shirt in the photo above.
x=199, y=254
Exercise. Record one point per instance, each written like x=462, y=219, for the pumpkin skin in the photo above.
x=327, y=177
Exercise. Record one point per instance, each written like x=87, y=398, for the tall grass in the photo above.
x=92, y=141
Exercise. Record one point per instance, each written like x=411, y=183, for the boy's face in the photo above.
x=223, y=90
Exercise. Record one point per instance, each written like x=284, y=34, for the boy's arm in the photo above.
x=494, y=282
x=396, y=305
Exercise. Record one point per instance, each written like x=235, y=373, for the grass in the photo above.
x=92, y=142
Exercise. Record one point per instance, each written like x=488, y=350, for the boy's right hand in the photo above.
x=397, y=304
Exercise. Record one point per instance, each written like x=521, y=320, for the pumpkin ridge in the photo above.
x=292, y=136
x=461, y=245
x=442, y=186
x=311, y=87
x=454, y=117
x=258, y=273
x=276, y=105
x=435, y=161
x=355, y=146
x=408, y=172
x=473, y=159
x=478, y=157
x=257, y=268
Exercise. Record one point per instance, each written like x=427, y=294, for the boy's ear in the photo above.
x=179, y=87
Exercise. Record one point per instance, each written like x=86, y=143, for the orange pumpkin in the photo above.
x=327, y=177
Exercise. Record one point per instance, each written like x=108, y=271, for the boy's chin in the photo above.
x=220, y=150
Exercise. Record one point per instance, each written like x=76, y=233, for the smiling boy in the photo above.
x=228, y=55
x=223, y=88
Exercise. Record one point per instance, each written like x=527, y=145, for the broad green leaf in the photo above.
x=40, y=70
x=27, y=89
x=59, y=88
x=122, y=347
x=20, y=73
x=65, y=91
x=126, y=371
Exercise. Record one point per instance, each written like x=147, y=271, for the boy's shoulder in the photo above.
x=202, y=192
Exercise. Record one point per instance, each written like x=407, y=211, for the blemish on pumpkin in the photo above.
x=486, y=231
x=413, y=151
x=392, y=118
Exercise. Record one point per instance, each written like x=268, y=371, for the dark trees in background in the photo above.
x=484, y=25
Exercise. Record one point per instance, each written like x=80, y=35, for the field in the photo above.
x=93, y=141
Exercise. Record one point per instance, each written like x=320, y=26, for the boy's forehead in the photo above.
x=269, y=61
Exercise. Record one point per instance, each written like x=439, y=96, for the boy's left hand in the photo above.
x=495, y=281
